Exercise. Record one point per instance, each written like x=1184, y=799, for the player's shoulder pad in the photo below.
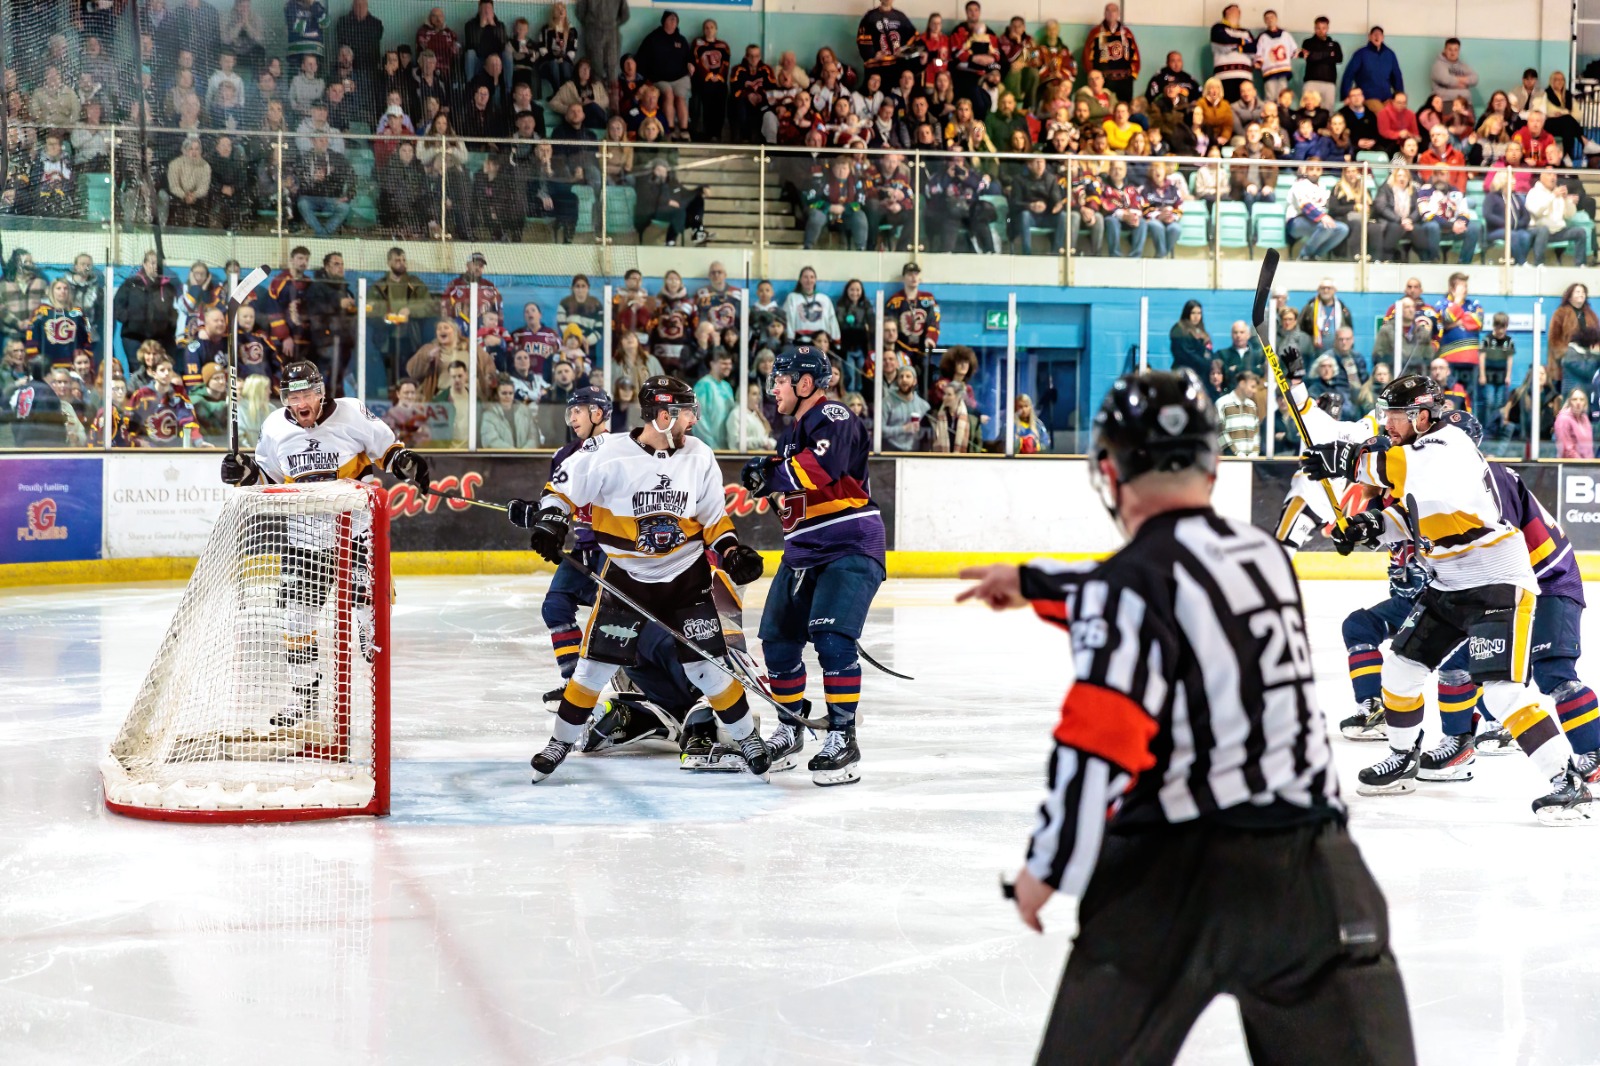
x=834, y=411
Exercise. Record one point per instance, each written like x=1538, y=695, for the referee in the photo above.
x=1193, y=806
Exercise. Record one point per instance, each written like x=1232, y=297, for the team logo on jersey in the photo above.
x=664, y=482
x=42, y=522
x=24, y=402
x=913, y=322
x=834, y=413
x=162, y=425
x=659, y=534
x=60, y=330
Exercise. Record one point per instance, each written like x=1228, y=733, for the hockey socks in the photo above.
x=1366, y=673
x=1579, y=711
x=1459, y=696
x=567, y=643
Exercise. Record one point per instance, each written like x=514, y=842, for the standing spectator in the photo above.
x=306, y=21
x=1111, y=49
x=1580, y=360
x=88, y=293
x=1032, y=438
x=1349, y=362
x=916, y=316
x=362, y=32
x=664, y=60
x=581, y=312
x=1498, y=356
x=809, y=312
x=714, y=394
x=1566, y=321
x=1323, y=55
x=457, y=300
x=1238, y=419
x=1460, y=325
x=398, y=303
x=145, y=306
x=1243, y=355
x=882, y=38
x=1574, y=434
x=1453, y=77
x=1232, y=53
x=717, y=301
x=330, y=312
x=1190, y=343
x=59, y=331
x=244, y=33
x=507, y=423
x=1275, y=54
x=1455, y=393
x=602, y=21
x=903, y=409
x=712, y=59
x=1375, y=69
x=487, y=36
x=1306, y=217
x=557, y=49
x=856, y=332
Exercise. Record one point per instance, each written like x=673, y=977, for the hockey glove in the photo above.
x=757, y=474
x=742, y=565
x=1359, y=529
x=1338, y=459
x=411, y=467
x=1294, y=365
x=522, y=513
x=550, y=533
x=240, y=469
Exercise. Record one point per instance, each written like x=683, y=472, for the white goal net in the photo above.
x=268, y=698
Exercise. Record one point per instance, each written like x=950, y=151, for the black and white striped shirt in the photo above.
x=1193, y=696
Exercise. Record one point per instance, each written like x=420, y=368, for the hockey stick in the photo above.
x=1258, y=315
x=241, y=290
x=875, y=663
x=787, y=713
x=443, y=495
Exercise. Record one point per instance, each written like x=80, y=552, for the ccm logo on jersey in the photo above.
x=700, y=629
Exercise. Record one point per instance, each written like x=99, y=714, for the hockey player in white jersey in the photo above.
x=656, y=501
x=1305, y=506
x=1481, y=588
x=317, y=439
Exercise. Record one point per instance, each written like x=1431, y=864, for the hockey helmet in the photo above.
x=803, y=359
x=1411, y=393
x=664, y=393
x=1465, y=422
x=299, y=377
x=1157, y=421
x=589, y=396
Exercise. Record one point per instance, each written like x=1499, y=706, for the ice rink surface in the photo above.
x=628, y=912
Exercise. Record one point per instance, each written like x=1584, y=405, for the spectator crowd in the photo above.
x=480, y=128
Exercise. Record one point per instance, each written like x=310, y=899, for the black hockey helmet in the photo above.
x=801, y=360
x=1465, y=422
x=1159, y=421
x=664, y=393
x=589, y=396
x=1411, y=393
x=300, y=376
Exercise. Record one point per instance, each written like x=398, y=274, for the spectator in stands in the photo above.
x=1164, y=195
x=1111, y=49
x=1351, y=364
x=1498, y=206
x=52, y=182
x=1189, y=341
x=408, y=417
x=189, y=182
x=1396, y=122
x=1397, y=209
x=1038, y=202
x=484, y=36
x=406, y=200
x=1213, y=114
x=1290, y=335
x=1446, y=214
x=1323, y=315
x=1361, y=121
x=1559, y=117
x=665, y=59
x=160, y=415
x=1551, y=207
x=955, y=195
x=1248, y=180
x=145, y=306
x=1574, y=314
x=1232, y=52
x=949, y=428
x=661, y=198
x=1323, y=55
x=508, y=423
x=581, y=312
x=903, y=411
x=1442, y=160
x=809, y=312
x=587, y=92
x=1122, y=204
x=326, y=183
x=747, y=423
x=1244, y=353
x=1533, y=138
x=837, y=200
x=1375, y=69
x=429, y=367
x=1453, y=77
x=1574, y=432
x=714, y=393
x=1188, y=90
x=1306, y=216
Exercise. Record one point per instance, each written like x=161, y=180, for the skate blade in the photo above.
x=538, y=777
x=1449, y=774
x=1357, y=733
x=1497, y=749
x=1398, y=788
x=715, y=764
x=1579, y=814
x=845, y=776
x=788, y=762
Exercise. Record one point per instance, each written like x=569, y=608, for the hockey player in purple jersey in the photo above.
x=833, y=560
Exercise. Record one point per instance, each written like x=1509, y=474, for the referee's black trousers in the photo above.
x=1288, y=921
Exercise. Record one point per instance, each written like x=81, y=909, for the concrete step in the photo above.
x=730, y=216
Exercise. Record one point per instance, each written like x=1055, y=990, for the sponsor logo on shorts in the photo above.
x=701, y=629
x=1485, y=648
x=620, y=634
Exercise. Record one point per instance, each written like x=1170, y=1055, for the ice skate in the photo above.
x=554, y=754
x=1450, y=760
x=1495, y=739
x=1393, y=776
x=754, y=752
x=1367, y=723
x=785, y=745
x=1569, y=802
x=1588, y=766
x=699, y=750
x=552, y=699
x=839, y=761
x=620, y=723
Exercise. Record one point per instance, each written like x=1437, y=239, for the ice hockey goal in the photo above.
x=269, y=697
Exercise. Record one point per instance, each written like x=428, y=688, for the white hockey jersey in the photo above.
x=1470, y=543
x=347, y=442
x=654, y=512
x=1305, y=495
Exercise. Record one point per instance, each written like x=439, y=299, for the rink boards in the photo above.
x=146, y=515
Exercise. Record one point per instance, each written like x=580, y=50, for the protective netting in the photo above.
x=265, y=694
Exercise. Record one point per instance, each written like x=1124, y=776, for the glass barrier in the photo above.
x=384, y=306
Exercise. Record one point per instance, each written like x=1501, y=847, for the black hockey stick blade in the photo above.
x=1269, y=269
x=875, y=663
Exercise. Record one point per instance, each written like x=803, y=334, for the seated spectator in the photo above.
x=1038, y=201
x=1213, y=114
x=325, y=183
x=481, y=121
x=1237, y=417
x=1574, y=431
x=949, y=428
x=1031, y=436
x=1120, y=127
x=585, y=90
x=1361, y=121
x=54, y=103
x=316, y=124
x=1446, y=213
x=306, y=88
x=1441, y=154
x=1559, y=117
x=1122, y=203
x=1533, y=138
x=747, y=428
x=1551, y=208
x=549, y=192
x=954, y=195
x=508, y=423
x=231, y=201
x=1097, y=98
x=715, y=395
x=406, y=200
x=91, y=141
x=1498, y=206
x=903, y=411
x=1408, y=154
x=1248, y=180
x=498, y=202
x=189, y=182
x=1338, y=137
x=661, y=197
x=1306, y=217
x=837, y=201
x=1164, y=195
x=1246, y=109
x=1325, y=380
x=1290, y=335
x=51, y=182
x=1366, y=398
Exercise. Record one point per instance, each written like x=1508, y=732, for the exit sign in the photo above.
x=996, y=320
